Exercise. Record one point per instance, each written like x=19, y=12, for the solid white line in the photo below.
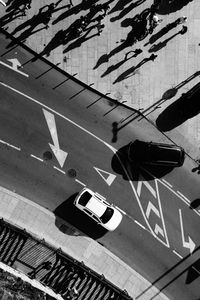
x=58, y=114
x=165, y=181
x=83, y=184
x=183, y=196
x=38, y=158
x=122, y=211
x=59, y=170
x=10, y=145
x=139, y=224
x=177, y=254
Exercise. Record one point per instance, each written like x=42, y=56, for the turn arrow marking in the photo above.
x=59, y=154
x=190, y=245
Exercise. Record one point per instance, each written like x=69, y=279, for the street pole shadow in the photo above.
x=69, y=213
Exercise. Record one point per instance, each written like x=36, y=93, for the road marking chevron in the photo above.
x=148, y=186
x=150, y=208
x=158, y=230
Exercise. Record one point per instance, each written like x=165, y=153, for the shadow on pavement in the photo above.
x=72, y=215
x=133, y=170
x=186, y=107
x=169, y=6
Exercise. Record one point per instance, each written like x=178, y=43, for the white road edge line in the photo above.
x=122, y=211
x=139, y=224
x=59, y=170
x=183, y=196
x=10, y=145
x=177, y=254
x=38, y=158
x=165, y=181
x=83, y=184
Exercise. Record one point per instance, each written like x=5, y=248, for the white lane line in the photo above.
x=165, y=181
x=10, y=145
x=122, y=211
x=59, y=170
x=140, y=224
x=58, y=114
x=38, y=158
x=183, y=196
x=177, y=254
x=83, y=184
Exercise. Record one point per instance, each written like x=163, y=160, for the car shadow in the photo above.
x=134, y=170
x=81, y=223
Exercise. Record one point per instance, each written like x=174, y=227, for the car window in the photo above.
x=95, y=218
x=107, y=215
x=87, y=211
x=85, y=197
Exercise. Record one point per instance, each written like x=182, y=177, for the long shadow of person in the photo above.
x=126, y=10
x=166, y=7
x=119, y=64
x=43, y=17
x=161, y=45
x=80, y=39
x=162, y=32
x=131, y=71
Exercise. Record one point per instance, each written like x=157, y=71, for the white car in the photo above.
x=95, y=206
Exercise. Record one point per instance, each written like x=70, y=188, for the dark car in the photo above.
x=156, y=154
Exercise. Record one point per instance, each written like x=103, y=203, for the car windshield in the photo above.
x=85, y=197
x=107, y=215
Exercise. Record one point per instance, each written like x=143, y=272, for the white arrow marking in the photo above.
x=59, y=154
x=148, y=186
x=158, y=229
x=190, y=245
x=15, y=64
x=110, y=177
x=151, y=207
x=2, y=2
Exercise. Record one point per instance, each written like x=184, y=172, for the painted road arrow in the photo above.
x=59, y=154
x=15, y=64
x=190, y=244
x=2, y=2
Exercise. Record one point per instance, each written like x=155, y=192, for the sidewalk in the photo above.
x=41, y=223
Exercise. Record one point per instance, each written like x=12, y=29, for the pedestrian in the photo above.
x=153, y=56
x=105, y=7
x=181, y=20
x=136, y=53
x=183, y=30
x=73, y=294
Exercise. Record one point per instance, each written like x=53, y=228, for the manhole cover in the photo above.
x=71, y=173
x=47, y=155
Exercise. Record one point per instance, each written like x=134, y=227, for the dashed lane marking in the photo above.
x=36, y=157
x=177, y=254
x=83, y=184
x=165, y=181
x=140, y=224
x=183, y=196
x=122, y=211
x=59, y=170
x=10, y=145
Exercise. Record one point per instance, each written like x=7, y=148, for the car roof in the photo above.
x=96, y=206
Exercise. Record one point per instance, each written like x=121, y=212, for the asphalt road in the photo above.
x=41, y=107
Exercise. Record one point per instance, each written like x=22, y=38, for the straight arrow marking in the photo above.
x=190, y=245
x=59, y=154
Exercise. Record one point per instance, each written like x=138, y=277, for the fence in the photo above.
x=52, y=267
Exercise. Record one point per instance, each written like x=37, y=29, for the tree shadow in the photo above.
x=68, y=212
x=166, y=6
x=186, y=107
x=134, y=170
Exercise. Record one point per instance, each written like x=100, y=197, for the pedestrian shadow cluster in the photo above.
x=90, y=22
